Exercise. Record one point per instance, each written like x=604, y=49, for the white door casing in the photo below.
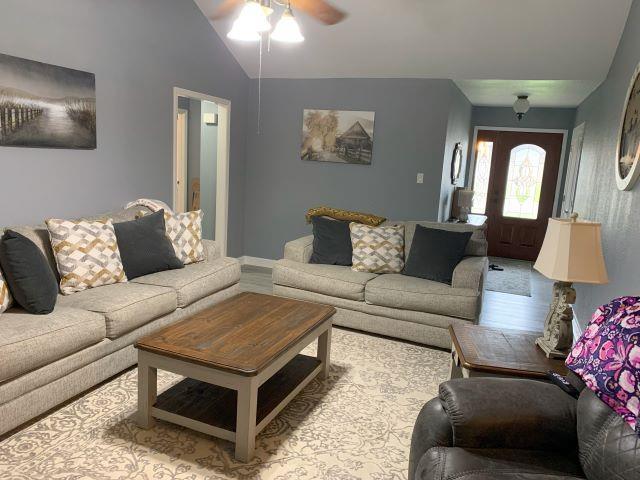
x=223, y=149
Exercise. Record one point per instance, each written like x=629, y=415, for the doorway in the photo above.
x=515, y=178
x=201, y=141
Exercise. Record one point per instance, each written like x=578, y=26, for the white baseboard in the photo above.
x=256, y=261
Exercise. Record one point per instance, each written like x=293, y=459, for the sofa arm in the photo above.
x=470, y=273
x=509, y=413
x=432, y=429
x=299, y=250
x=211, y=250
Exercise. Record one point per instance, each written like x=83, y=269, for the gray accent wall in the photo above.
x=412, y=116
x=208, y=171
x=194, y=132
x=458, y=130
x=137, y=62
x=597, y=197
x=551, y=118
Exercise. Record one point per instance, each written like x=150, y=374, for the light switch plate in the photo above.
x=420, y=178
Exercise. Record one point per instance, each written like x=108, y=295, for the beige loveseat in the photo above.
x=390, y=304
x=47, y=359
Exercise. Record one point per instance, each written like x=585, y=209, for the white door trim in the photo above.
x=224, y=146
x=561, y=164
x=182, y=172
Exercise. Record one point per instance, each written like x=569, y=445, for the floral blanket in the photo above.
x=607, y=357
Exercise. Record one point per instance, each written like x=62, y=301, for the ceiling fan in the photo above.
x=253, y=19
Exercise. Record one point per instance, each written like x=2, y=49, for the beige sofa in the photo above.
x=390, y=304
x=47, y=359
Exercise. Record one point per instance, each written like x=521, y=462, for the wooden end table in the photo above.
x=242, y=363
x=481, y=351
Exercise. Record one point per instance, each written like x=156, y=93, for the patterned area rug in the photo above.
x=355, y=425
x=514, y=279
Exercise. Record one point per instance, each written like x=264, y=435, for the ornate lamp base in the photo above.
x=557, y=338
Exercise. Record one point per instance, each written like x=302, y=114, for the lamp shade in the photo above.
x=287, y=29
x=465, y=198
x=572, y=252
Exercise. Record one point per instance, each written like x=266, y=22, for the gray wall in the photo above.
x=208, y=171
x=554, y=118
x=597, y=197
x=125, y=43
x=194, y=132
x=410, y=129
x=458, y=130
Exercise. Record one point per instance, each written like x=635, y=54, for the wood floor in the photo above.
x=499, y=310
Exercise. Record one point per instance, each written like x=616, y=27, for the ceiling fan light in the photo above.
x=253, y=16
x=240, y=31
x=287, y=29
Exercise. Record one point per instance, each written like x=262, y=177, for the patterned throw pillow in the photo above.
x=377, y=249
x=5, y=296
x=185, y=232
x=87, y=254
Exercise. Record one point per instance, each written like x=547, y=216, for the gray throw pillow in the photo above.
x=144, y=246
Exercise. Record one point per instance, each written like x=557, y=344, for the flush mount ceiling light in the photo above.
x=253, y=20
x=521, y=106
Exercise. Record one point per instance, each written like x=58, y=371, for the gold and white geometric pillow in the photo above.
x=185, y=232
x=86, y=253
x=5, y=296
x=377, y=249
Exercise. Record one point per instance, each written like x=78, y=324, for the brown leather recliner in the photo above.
x=506, y=428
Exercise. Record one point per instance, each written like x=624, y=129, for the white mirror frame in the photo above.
x=629, y=181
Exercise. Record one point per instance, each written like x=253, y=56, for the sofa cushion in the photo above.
x=39, y=235
x=333, y=280
x=435, y=254
x=476, y=247
x=144, y=246
x=197, y=280
x=87, y=254
x=185, y=232
x=377, y=249
x=6, y=300
x=32, y=283
x=411, y=293
x=125, y=306
x=331, y=242
x=30, y=341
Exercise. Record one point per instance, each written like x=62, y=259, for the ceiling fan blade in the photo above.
x=225, y=9
x=320, y=10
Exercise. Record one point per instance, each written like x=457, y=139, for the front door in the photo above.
x=515, y=182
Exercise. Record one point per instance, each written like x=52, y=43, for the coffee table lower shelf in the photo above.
x=211, y=409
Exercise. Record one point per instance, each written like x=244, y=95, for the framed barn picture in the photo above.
x=341, y=136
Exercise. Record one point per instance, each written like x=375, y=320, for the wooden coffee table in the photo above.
x=243, y=363
x=481, y=351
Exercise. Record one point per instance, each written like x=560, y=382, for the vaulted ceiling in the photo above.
x=557, y=51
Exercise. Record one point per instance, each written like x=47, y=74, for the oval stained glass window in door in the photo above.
x=524, y=182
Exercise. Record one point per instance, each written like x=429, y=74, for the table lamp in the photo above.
x=571, y=253
x=465, y=201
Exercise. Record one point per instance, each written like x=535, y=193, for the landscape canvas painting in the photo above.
x=44, y=105
x=342, y=136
